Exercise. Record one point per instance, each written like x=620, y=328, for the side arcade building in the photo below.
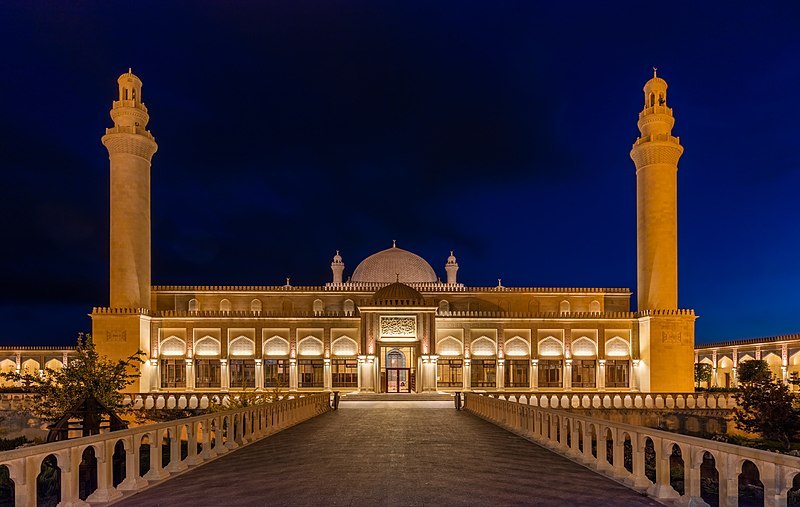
x=392, y=325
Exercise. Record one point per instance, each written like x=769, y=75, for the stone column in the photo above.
x=225, y=376
x=156, y=473
x=567, y=383
x=189, y=375
x=467, y=373
x=501, y=380
x=635, y=381
x=327, y=375
x=69, y=480
x=640, y=480
x=601, y=374
x=534, y=374
x=155, y=378
x=259, y=374
x=293, y=374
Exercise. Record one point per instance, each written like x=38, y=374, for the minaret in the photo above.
x=130, y=149
x=452, y=268
x=655, y=154
x=337, y=266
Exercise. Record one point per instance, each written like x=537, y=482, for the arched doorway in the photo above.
x=397, y=372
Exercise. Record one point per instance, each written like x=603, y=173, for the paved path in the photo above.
x=390, y=453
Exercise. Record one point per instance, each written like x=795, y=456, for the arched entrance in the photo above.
x=397, y=370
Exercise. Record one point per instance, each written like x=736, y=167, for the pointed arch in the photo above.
x=344, y=346
x=594, y=306
x=516, y=347
x=276, y=346
x=172, y=346
x=618, y=347
x=256, y=305
x=319, y=307
x=444, y=307
x=241, y=346
x=31, y=366
x=194, y=305
x=584, y=347
x=54, y=364
x=207, y=346
x=483, y=346
x=551, y=346
x=225, y=305
x=310, y=346
x=563, y=307
x=349, y=307
x=449, y=346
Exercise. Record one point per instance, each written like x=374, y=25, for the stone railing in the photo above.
x=196, y=399
x=573, y=435
x=620, y=400
x=106, y=465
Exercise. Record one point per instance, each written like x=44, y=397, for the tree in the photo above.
x=766, y=406
x=87, y=374
x=753, y=370
x=702, y=373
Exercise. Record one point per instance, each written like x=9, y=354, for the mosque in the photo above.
x=392, y=324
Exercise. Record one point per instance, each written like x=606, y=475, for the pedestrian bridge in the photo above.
x=395, y=453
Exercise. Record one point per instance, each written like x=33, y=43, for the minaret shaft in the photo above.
x=130, y=149
x=655, y=154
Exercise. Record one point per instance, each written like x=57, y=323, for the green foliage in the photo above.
x=87, y=374
x=6, y=444
x=766, y=406
x=702, y=373
x=753, y=371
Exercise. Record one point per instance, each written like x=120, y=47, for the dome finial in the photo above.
x=655, y=69
x=394, y=243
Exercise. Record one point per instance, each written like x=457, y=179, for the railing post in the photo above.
x=192, y=458
x=105, y=491
x=691, y=470
x=772, y=491
x=619, y=455
x=24, y=476
x=602, y=455
x=175, y=463
x=640, y=480
x=662, y=488
x=156, y=473
x=133, y=481
x=69, y=480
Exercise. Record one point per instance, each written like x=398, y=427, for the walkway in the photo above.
x=390, y=453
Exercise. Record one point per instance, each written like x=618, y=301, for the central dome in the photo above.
x=394, y=265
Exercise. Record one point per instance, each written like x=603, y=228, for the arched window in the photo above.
x=584, y=347
x=319, y=307
x=310, y=346
x=594, y=306
x=344, y=346
x=516, y=347
x=563, y=307
x=276, y=346
x=241, y=346
x=255, y=305
x=349, y=307
x=193, y=305
x=449, y=346
x=207, y=346
x=483, y=346
x=225, y=305
x=444, y=307
x=550, y=346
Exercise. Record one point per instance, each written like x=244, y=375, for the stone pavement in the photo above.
x=390, y=453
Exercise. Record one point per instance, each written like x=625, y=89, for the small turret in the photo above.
x=452, y=268
x=337, y=266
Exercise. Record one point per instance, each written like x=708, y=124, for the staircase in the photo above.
x=432, y=396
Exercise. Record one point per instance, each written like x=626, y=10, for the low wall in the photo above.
x=216, y=433
x=571, y=434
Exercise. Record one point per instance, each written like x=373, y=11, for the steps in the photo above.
x=397, y=397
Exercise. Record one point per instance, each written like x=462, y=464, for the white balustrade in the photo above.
x=572, y=435
x=216, y=432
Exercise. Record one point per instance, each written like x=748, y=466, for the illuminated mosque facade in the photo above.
x=394, y=324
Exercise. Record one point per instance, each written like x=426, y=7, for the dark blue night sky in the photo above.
x=500, y=130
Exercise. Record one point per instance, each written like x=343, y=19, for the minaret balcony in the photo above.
x=655, y=110
x=657, y=137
